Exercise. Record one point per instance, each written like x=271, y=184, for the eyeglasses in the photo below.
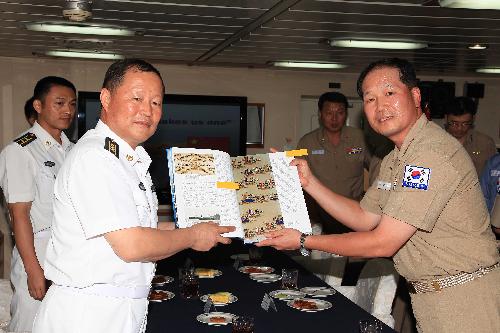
x=457, y=124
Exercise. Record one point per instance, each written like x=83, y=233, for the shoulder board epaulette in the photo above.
x=26, y=139
x=111, y=146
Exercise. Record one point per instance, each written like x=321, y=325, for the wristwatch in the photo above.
x=303, y=250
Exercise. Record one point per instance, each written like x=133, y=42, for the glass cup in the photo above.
x=189, y=285
x=289, y=278
x=242, y=324
x=255, y=254
x=370, y=326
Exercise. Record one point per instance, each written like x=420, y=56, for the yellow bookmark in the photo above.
x=297, y=152
x=228, y=185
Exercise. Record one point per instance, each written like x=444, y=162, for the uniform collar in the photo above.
x=323, y=138
x=47, y=140
x=468, y=137
x=138, y=156
x=413, y=133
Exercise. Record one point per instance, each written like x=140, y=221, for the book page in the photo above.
x=257, y=196
x=194, y=177
x=291, y=197
x=270, y=195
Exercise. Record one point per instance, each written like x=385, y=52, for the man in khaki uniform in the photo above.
x=425, y=210
x=460, y=115
x=337, y=155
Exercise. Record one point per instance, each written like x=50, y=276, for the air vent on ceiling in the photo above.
x=83, y=43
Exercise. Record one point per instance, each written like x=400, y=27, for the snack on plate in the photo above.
x=158, y=279
x=157, y=295
x=217, y=319
x=220, y=297
x=303, y=304
x=204, y=272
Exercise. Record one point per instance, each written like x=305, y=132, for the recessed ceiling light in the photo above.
x=303, y=64
x=489, y=70
x=80, y=29
x=84, y=54
x=374, y=44
x=477, y=47
x=470, y=4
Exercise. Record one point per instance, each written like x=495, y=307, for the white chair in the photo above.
x=5, y=298
x=375, y=289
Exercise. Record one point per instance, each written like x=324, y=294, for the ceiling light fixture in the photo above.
x=375, y=44
x=470, y=4
x=84, y=54
x=489, y=70
x=477, y=47
x=80, y=29
x=304, y=64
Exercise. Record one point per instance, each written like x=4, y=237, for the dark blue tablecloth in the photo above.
x=179, y=315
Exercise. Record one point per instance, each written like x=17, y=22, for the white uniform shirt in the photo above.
x=103, y=186
x=28, y=169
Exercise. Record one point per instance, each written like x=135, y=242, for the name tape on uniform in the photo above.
x=228, y=185
x=318, y=152
x=296, y=152
x=416, y=177
x=381, y=185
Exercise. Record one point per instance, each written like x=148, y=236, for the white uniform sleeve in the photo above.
x=100, y=194
x=18, y=181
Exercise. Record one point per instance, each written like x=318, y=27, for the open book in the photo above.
x=254, y=193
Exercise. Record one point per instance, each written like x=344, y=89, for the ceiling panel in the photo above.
x=257, y=32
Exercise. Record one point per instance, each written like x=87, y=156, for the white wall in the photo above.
x=280, y=90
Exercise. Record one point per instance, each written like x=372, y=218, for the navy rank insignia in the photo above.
x=26, y=139
x=49, y=164
x=142, y=187
x=111, y=146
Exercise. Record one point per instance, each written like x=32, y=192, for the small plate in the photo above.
x=215, y=318
x=207, y=273
x=241, y=256
x=160, y=295
x=232, y=299
x=318, y=291
x=309, y=304
x=265, y=278
x=256, y=269
x=286, y=295
x=160, y=280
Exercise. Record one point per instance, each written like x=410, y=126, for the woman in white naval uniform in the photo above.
x=105, y=237
x=28, y=168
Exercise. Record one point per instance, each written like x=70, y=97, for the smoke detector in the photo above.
x=77, y=11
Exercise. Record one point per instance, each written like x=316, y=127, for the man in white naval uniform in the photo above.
x=28, y=168
x=105, y=237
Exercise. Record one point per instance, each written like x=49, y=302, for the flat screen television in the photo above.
x=195, y=121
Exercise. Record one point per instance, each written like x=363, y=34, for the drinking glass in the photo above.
x=255, y=254
x=370, y=326
x=189, y=285
x=242, y=324
x=289, y=278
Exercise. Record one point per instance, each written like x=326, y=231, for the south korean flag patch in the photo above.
x=416, y=177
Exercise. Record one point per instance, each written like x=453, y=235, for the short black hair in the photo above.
x=116, y=72
x=29, y=110
x=332, y=97
x=44, y=85
x=406, y=72
x=460, y=106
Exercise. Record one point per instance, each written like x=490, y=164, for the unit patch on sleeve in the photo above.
x=111, y=146
x=416, y=177
x=26, y=139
